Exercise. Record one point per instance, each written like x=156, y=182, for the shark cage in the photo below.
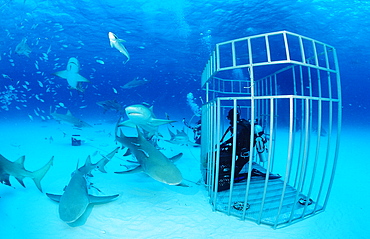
x=287, y=88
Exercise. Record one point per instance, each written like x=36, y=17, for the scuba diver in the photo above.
x=242, y=147
x=196, y=130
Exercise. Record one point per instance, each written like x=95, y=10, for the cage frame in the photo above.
x=315, y=63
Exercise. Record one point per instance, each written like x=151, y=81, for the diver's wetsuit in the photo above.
x=242, y=144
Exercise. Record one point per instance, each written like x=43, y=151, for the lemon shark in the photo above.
x=17, y=170
x=111, y=105
x=151, y=160
x=142, y=116
x=135, y=83
x=117, y=43
x=180, y=138
x=71, y=74
x=75, y=199
x=69, y=118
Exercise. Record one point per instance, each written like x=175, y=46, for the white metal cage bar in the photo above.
x=289, y=85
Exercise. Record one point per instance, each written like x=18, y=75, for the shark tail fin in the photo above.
x=105, y=160
x=39, y=174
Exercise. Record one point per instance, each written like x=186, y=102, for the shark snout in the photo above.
x=111, y=36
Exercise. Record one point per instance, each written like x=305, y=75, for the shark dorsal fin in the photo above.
x=20, y=161
x=88, y=161
x=69, y=113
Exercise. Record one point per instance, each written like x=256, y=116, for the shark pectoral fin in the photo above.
x=176, y=157
x=101, y=199
x=138, y=169
x=80, y=78
x=127, y=123
x=158, y=122
x=20, y=180
x=54, y=197
x=62, y=74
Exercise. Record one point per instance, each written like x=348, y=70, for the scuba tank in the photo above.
x=261, y=140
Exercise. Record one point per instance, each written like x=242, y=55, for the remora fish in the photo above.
x=71, y=74
x=151, y=160
x=111, y=105
x=180, y=138
x=116, y=43
x=22, y=48
x=142, y=116
x=17, y=170
x=75, y=199
x=69, y=118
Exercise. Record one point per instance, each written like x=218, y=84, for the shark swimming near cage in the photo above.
x=151, y=160
x=142, y=116
x=76, y=198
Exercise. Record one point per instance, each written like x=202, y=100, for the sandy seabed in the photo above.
x=147, y=208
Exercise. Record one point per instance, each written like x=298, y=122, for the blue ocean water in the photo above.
x=169, y=42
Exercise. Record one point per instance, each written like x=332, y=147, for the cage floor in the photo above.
x=290, y=208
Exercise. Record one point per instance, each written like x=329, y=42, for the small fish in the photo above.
x=48, y=51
